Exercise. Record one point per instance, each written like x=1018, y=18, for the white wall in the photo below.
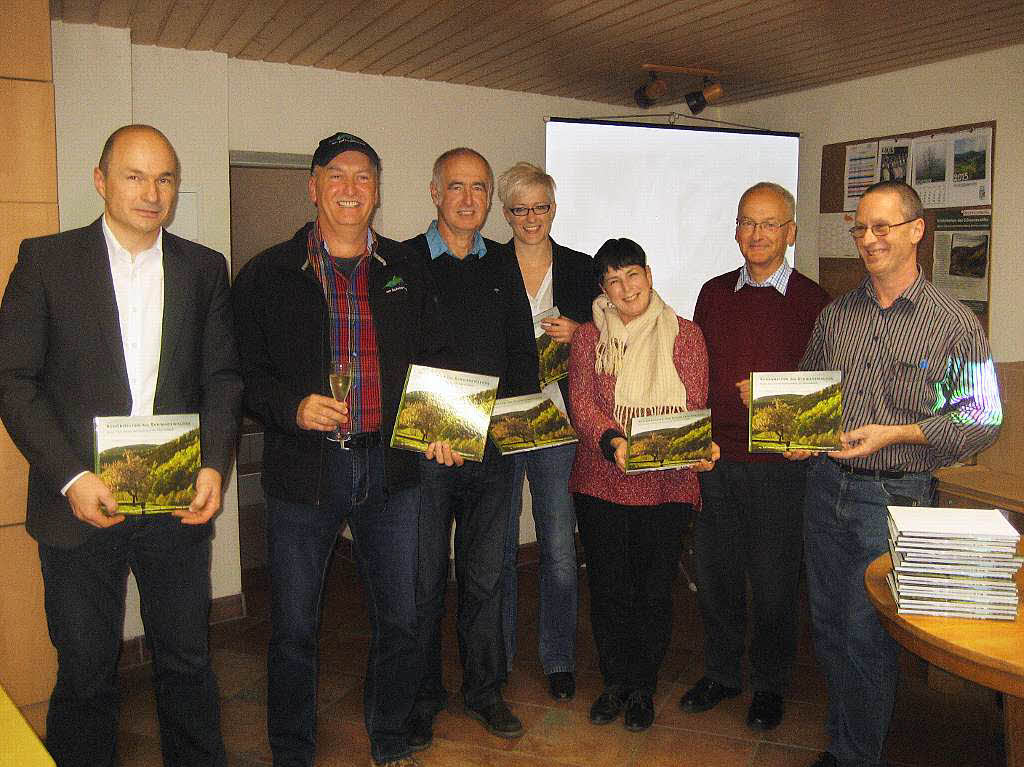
x=965, y=90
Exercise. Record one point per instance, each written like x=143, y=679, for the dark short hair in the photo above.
x=617, y=254
x=108, y=146
x=910, y=201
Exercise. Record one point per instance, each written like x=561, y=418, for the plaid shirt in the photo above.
x=351, y=324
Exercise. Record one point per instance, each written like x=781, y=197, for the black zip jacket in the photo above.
x=284, y=344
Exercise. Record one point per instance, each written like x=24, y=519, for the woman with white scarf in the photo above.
x=636, y=358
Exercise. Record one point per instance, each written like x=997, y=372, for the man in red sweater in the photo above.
x=756, y=318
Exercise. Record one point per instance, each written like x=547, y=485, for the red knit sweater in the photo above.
x=593, y=400
x=751, y=330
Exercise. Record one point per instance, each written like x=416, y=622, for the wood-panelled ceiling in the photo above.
x=586, y=49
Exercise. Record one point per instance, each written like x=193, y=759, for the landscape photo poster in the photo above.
x=801, y=410
x=149, y=462
x=671, y=441
x=529, y=422
x=441, y=405
x=552, y=356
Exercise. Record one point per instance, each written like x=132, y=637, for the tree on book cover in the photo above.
x=150, y=478
x=539, y=425
x=427, y=416
x=788, y=420
x=673, y=446
x=552, y=359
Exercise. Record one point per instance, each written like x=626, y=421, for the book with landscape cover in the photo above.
x=149, y=462
x=798, y=410
x=672, y=441
x=529, y=422
x=441, y=405
x=552, y=356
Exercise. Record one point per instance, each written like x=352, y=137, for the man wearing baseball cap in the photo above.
x=337, y=291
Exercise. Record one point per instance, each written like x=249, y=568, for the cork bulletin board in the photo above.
x=952, y=169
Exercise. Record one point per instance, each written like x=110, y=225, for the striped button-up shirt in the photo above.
x=924, y=360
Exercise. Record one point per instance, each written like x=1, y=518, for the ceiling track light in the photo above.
x=650, y=92
x=708, y=94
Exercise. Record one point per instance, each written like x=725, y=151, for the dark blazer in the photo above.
x=574, y=286
x=62, y=362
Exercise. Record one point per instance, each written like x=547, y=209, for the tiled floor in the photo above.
x=939, y=720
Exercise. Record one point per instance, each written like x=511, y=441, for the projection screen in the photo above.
x=673, y=189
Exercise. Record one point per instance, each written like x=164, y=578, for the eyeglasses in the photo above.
x=879, y=230
x=770, y=227
x=522, y=210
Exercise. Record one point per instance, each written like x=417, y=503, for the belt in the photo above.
x=364, y=439
x=873, y=473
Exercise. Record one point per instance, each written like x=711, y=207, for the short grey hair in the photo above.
x=521, y=176
x=461, y=151
x=777, y=189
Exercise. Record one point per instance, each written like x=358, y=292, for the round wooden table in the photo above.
x=989, y=652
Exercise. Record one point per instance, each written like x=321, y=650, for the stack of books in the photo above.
x=953, y=562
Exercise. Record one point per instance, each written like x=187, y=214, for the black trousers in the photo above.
x=750, y=527
x=84, y=601
x=632, y=555
x=476, y=497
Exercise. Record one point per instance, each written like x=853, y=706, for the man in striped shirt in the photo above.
x=919, y=393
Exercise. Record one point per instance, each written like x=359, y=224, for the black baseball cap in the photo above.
x=334, y=145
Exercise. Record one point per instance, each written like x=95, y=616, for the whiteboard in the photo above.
x=672, y=189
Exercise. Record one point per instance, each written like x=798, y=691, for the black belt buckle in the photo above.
x=363, y=440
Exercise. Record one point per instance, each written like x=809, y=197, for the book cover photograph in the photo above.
x=149, y=462
x=552, y=357
x=529, y=422
x=672, y=441
x=799, y=410
x=441, y=405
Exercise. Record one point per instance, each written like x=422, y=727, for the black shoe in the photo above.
x=607, y=707
x=498, y=720
x=765, y=711
x=562, y=685
x=706, y=694
x=826, y=760
x=421, y=730
x=639, y=714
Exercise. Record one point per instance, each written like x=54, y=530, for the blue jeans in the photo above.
x=475, y=495
x=84, y=601
x=844, y=531
x=300, y=539
x=555, y=522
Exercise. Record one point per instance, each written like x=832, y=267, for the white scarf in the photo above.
x=639, y=355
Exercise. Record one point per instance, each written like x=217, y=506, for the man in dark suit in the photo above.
x=121, y=318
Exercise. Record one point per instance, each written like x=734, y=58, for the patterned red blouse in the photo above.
x=593, y=397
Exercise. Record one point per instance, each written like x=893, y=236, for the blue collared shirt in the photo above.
x=438, y=247
x=779, y=280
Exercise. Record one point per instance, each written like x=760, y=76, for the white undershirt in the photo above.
x=139, y=292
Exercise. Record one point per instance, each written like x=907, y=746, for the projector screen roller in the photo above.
x=672, y=189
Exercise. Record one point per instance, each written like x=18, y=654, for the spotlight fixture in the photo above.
x=709, y=94
x=650, y=92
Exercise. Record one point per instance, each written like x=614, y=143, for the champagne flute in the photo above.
x=340, y=378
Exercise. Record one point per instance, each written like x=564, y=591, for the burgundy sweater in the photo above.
x=751, y=330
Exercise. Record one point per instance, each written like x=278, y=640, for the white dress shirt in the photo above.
x=139, y=292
